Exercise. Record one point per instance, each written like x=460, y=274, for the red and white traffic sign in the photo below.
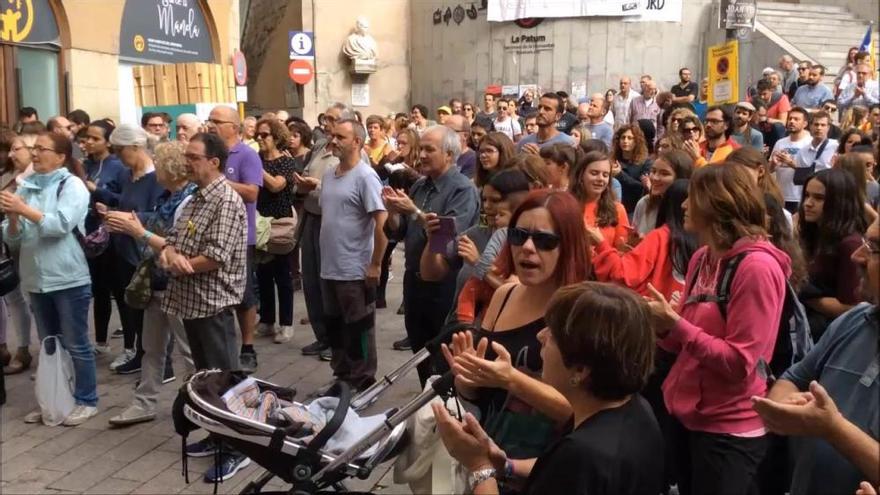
x=239, y=64
x=301, y=71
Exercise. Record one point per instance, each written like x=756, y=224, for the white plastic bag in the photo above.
x=54, y=383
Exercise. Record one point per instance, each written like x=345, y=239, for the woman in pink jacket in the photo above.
x=718, y=438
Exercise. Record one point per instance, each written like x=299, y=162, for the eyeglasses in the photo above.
x=871, y=245
x=262, y=135
x=543, y=241
x=40, y=149
x=219, y=122
x=191, y=157
x=829, y=108
x=690, y=130
x=677, y=120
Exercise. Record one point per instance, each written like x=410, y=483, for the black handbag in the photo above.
x=8, y=273
x=803, y=174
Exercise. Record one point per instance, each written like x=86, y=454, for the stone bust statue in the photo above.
x=360, y=46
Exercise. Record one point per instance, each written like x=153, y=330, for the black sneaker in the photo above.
x=313, y=349
x=229, y=465
x=129, y=367
x=202, y=448
x=248, y=362
x=402, y=345
x=169, y=376
x=117, y=334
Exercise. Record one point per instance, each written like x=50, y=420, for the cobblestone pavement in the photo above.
x=145, y=458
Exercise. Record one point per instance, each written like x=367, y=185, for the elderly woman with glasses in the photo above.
x=41, y=219
x=150, y=227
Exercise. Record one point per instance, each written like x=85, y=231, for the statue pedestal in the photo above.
x=360, y=66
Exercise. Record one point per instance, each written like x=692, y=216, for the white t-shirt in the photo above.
x=510, y=127
x=785, y=175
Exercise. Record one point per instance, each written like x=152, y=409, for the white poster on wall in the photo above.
x=511, y=10
x=658, y=11
x=360, y=94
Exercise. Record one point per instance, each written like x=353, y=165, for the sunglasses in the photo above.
x=543, y=241
x=262, y=135
x=689, y=130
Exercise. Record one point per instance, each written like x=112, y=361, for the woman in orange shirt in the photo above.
x=591, y=185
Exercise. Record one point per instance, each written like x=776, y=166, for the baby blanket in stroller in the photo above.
x=246, y=400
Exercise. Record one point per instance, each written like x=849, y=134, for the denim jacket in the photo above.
x=51, y=257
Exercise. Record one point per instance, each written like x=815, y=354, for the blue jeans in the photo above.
x=66, y=313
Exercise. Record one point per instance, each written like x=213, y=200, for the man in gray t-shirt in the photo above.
x=352, y=245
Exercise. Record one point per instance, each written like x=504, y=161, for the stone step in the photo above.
x=788, y=18
x=832, y=31
x=798, y=7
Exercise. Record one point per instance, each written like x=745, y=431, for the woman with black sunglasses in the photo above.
x=498, y=367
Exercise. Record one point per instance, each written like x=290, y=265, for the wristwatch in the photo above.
x=479, y=476
x=416, y=215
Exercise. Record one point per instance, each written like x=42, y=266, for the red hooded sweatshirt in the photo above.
x=714, y=375
x=648, y=262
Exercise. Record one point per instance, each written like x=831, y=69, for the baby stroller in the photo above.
x=306, y=465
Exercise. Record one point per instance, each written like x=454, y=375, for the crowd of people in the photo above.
x=660, y=294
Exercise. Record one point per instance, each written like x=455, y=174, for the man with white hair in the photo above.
x=644, y=107
x=249, y=132
x=282, y=116
x=442, y=192
x=789, y=74
x=188, y=125
x=244, y=172
x=467, y=160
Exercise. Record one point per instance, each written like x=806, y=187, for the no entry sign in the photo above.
x=301, y=71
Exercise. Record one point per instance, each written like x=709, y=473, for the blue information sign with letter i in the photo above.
x=302, y=45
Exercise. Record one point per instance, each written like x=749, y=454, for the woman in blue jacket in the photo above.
x=41, y=219
x=105, y=176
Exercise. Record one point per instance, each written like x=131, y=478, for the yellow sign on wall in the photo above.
x=724, y=73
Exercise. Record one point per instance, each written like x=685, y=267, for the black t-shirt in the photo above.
x=690, y=89
x=278, y=204
x=615, y=452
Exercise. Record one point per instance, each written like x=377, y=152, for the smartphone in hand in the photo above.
x=443, y=235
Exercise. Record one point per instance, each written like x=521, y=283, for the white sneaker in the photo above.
x=284, y=334
x=101, y=349
x=126, y=356
x=265, y=329
x=33, y=417
x=80, y=415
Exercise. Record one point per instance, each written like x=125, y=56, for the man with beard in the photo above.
x=309, y=228
x=685, y=92
x=812, y=94
x=718, y=127
x=743, y=133
x=771, y=131
x=550, y=108
x=352, y=246
x=782, y=158
x=832, y=397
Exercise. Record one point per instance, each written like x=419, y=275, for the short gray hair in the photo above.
x=449, y=142
x=357, y=127
x=345, y=111
x=129, y=135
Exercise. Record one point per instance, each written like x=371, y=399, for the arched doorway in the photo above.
x=31, y=35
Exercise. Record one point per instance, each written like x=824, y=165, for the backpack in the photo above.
x=793, y=340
